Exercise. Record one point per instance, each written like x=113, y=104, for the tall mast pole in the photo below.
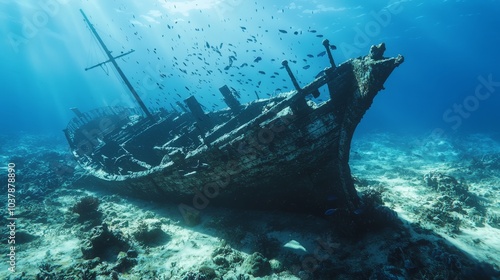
x=113, y=61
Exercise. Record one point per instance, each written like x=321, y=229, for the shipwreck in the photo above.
x=283, y=152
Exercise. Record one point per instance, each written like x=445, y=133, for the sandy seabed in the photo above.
x=445, y=193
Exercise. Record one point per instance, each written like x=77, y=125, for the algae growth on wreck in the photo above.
x=234, y=149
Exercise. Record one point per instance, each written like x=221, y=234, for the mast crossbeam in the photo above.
x=109, y=60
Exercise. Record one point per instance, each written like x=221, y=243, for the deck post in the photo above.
x=292, y=77
x=201, y=118
x=326, y=43
x=229, y=99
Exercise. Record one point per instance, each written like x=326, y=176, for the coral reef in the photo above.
x=203, y=273
x=151, y=234
x=87, y=207
x=225, y=257
x=103, y=243
x=375, y=245
x=256, y=265
x=450, y=186
x=453, y=203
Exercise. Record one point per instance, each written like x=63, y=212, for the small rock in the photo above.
x=256, y=265
x=132, y=253
x=276, y=266
x=124, y=263
x=221, y=261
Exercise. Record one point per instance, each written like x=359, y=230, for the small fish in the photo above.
x=330, y=212
x=236, y=93
x=257, y=59
x=306, y=67
x=282, y=31
x=321, y=73
x=310, y=55
x=262, y=72
x=243, y=28
x=321, y=53
x=333, y=47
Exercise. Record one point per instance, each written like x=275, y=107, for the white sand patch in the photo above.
x=191, y=249
x=294, y=245
x=482, y=243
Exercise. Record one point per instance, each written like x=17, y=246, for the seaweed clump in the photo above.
x=46, y=271
x=87, y=208
x=372, y=215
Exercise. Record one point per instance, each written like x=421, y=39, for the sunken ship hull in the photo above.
x=284, y=152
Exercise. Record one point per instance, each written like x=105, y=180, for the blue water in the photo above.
x=448, y=46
